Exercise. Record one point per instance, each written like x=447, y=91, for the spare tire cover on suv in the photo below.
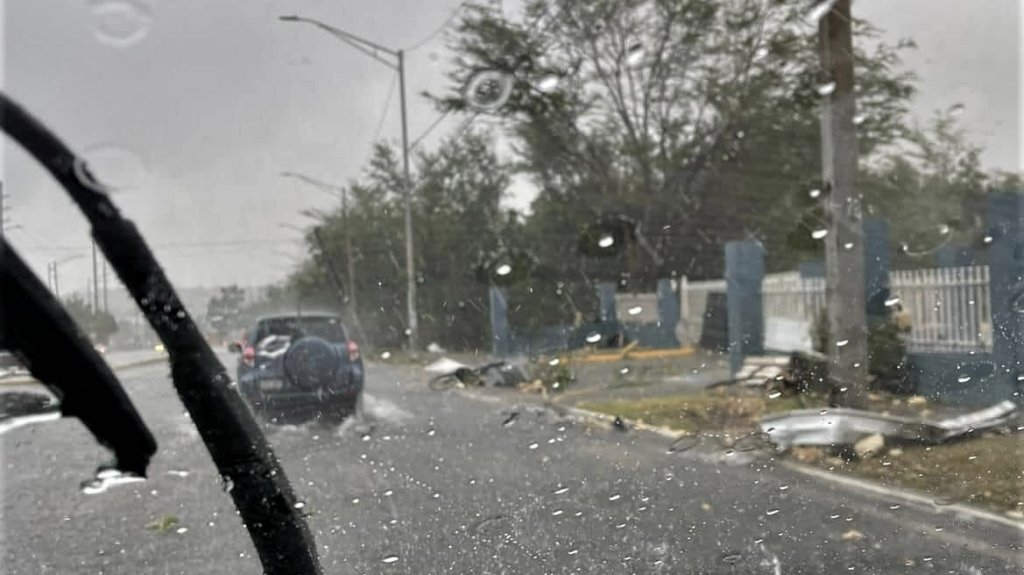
x=310, y=363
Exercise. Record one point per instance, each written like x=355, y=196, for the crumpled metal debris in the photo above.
x=842, y=426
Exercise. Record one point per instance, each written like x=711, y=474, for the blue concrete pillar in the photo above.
x=744, y=272
x=1006, y=288
x=606, y=299
x=877, y=263
x=668, y=313
x=501, y=333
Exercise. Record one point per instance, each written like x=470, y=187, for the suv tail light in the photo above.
x=353, y=350
x=249, y=355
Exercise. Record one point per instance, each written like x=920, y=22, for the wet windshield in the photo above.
x=611, y=286
x=328, y=328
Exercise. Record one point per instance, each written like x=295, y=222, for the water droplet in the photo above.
x=815, y=193
x=593, y=337
x=963, y=379
x=548, y=83
x=390, y=559
x=819, y=233
x=385, y=355
x=606, y=241
x=488, y=90
x=635, y=310
x=732, y=558
x=683, y=443
x=761, y=53
x=615, y=497
x=635, y=54
x=957, y=109
x=120, y=23
x=1017, y=303
x=389, y=493
x=624, y=370
x=534, y=445
x=771, y=512
x=892, y=301
x=783, y=487
x=842, y=343
x=775, y=395
x=178, y=472
x=859, y=119
x=987, y=240
x=107, y=478
x=503, y=270
x=431, y=432
x=554, y=362
x=818, y=11
x=557, y=512
x=561, y=490
x=181, y=530
x=848, y=246
x=109, y=168
x=894, y=506
x=826, y=88
x=300, y=504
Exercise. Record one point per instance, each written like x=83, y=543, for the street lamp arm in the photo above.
x=363, y=45
x=336, y=191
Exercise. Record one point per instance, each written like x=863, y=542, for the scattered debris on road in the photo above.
x=843, y=426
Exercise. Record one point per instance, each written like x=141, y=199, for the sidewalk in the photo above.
x=984, y=469
x=117, y=360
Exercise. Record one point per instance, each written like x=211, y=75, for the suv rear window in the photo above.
x=328, y=328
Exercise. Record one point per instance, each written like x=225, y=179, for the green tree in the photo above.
x=223, y=311
x=99, y=326
x=695, y=118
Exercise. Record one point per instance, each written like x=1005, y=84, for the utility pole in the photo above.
x=844, y=247
x=374, y=51
x=3, y=215
x=410, y=263
x=56, y=282
x=105, y=302
x=95, y=282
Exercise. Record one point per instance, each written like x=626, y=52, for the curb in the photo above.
x=843, y=480
x=117, y=368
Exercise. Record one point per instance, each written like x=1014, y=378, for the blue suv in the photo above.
x=300, y=364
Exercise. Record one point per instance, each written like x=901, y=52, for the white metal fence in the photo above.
x=948, y=308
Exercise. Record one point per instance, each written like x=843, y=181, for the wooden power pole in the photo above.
x=844, y=245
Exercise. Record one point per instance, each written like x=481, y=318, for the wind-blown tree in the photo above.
x=696, y=118
x=457, y=190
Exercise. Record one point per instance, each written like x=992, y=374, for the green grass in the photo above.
x=698, y=412
x=986, y=471
x=983, y=471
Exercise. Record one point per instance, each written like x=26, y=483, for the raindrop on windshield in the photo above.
x=957, y=109
x=819, y=234
x=635, y=54
x=107, y=478
x=891, y=302
x=963, y=379
x=385, y=355
x=815, y=193
x=606, y=241
x=859, y=119
x=1017, y=303
x=760, y=53
x=842, y=343
x=635, y=310
x=818, y=11
x=826, y=88
x=548, y=83
x=488, y=90
x=390, y=559
x=554, y=362
x=503, y=270
x=593, y=337
x=109, y=168
x=120, y=23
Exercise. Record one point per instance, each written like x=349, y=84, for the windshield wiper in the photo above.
x=243, y=457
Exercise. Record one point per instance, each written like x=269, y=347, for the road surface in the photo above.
x=437, y=482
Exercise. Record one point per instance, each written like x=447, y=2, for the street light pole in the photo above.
x=374, y=50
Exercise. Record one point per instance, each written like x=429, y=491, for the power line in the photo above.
x=439, y=29
x=384, y=111
x=428, y=130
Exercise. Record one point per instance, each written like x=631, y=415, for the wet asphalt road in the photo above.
x=430, y=482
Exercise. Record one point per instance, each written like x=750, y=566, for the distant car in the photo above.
x=300, y=364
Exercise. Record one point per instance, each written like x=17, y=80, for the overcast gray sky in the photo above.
x=203, y=111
